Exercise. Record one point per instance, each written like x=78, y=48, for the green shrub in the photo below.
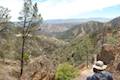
x=66, y=72
x=26, y=57
x=112, y=40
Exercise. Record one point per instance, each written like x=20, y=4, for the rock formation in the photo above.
x=111, y=56
x=39, y=69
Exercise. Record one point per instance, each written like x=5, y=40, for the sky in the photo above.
x=68, y=9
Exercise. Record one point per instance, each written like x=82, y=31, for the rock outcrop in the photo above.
x=107, y=54
x=39, y=69
x=111, y=56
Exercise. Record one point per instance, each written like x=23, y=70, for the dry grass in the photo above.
x=8, y=70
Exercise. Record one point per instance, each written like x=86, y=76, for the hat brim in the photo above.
x=100, y=68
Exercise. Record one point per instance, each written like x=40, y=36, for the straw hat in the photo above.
x=99, y=65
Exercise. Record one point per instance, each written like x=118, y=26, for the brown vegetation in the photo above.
x=39, y=68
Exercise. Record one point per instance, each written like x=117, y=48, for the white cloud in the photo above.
x=53, y=9
x=73, y=8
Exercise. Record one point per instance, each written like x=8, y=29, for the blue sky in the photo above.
x=67, y=9
x=109, y=12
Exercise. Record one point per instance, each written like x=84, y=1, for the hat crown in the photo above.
x=99, y=63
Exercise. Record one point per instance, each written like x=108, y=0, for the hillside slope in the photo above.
x=90, y=27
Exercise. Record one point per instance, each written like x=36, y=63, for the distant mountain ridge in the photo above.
x=115, y=22
x=89, y=27
x=72, y=27
x=78, y=30
x=74, y=21
x=61, y=25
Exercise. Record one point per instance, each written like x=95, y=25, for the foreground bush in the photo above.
x=66, y=72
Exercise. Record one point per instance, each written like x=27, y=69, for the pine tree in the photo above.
x=30, y=18
x=4, y=17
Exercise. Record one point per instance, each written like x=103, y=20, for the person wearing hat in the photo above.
x=99, y=72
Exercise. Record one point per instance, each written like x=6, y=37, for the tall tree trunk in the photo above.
x=103, y=38
x=87, y=59
x=23, y=45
